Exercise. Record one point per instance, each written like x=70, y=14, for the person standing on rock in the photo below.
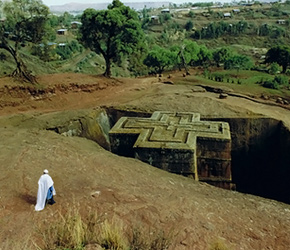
x=45, y=191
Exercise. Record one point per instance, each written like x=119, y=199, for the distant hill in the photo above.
x=77, y=7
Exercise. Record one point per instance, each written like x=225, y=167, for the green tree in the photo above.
x=238, y=62
x=53, y=20
x=189, y=25
x=25, y=22
x=113, y=33
x=204, y=56
x=191, y=51
x=191, y=14
x=164, y=18
x=221, y=55
x=241, y=27
x=264, y=30
x=160, y=58
x=280, y=55
x=65, y=19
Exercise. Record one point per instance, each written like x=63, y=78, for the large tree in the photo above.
x=280, y=55
x=25, y=21
x=160, y=58
x=113, y=33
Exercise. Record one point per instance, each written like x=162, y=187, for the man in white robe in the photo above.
x=45, y=191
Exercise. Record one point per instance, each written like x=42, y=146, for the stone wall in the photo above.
x=91, y=124
x=260, y=157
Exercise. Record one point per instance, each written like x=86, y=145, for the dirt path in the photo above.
x=87, y=91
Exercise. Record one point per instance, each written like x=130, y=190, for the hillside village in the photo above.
x=209, y=24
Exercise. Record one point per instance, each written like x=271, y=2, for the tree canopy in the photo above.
x=114, y=32
x=280, y=55
x=160, y=58
x=221, y=55
x=238, y=62
x=25, y=21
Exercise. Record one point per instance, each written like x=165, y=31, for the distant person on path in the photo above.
x=45, y=192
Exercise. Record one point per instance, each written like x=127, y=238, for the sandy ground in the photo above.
x=92, y=179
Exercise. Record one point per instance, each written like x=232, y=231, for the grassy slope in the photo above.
x=248, y=83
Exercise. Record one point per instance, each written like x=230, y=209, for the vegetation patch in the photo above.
x=71, y=230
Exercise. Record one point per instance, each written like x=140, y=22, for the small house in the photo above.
x=61, y=45
x=281, y=22
x=206, y=14
x=236, y=11
x=164, y=11
x=154, y=19
x=62, y=32
x=227, y=15
x=75, y=24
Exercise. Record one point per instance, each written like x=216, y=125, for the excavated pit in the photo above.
x=260, y=159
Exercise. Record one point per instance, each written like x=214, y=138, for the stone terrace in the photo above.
x=179, y=143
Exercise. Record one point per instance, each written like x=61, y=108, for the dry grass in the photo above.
x=112, y=236
x=218, y=245
x=71, y=231
x=152, y=240
x=10, y=245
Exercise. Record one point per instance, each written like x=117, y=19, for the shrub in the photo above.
x=219, y=77
x=281, y=80
x=274, y=68
x=270, y=84
x=191, y=14
x=288, y=72
x=238, y=62
x=3, y=57
x=189, y=25
x=66, y=51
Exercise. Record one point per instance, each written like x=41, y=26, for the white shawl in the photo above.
x=44, y=183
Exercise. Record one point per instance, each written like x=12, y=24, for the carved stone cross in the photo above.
x=177, y=142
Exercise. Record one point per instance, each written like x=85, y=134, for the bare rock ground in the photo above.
x=90, y=178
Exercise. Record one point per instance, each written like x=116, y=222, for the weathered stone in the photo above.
x=279, y=100
x=177, y=142
x=223, y=96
